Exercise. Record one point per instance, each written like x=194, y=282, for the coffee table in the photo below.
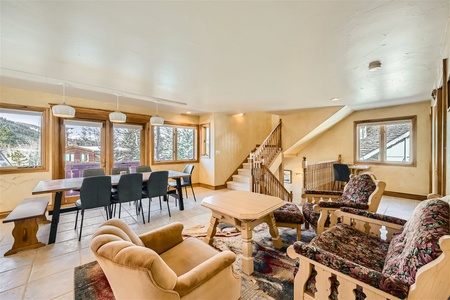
x=244, y=210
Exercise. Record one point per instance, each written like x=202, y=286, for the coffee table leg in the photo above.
x=247, y=248
x=211, y=230
x=273, y=229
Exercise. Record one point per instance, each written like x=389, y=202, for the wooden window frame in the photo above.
x=175, y=161
x=204, y=140
x=44, y=139
x=382, y=122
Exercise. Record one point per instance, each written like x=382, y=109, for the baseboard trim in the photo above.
x=212, y=187
x=405, y=195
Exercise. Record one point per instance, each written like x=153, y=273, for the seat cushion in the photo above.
x=187, y=255
x=309, y=214
x=289, y=213
x=351, y=244
x=417, y=244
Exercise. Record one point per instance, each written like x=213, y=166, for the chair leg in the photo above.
x=149, y=204
x=140, y=209
x=81, y=224
x=185, y=190
x=76, y=219
x=160, y=205
x=168, y=208
x=120, y=208
x=193, y=193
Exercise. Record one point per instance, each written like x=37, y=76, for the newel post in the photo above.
x=304, y=166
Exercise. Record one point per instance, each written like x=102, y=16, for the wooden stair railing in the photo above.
x=265, y=182
x=270, y=148
x=319, y=175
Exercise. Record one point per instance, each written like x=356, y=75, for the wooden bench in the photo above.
x=25, y=217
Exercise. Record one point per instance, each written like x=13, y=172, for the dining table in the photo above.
x=58, y=186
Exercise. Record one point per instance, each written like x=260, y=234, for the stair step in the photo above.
x=246, y=165
x=244, y=172
x=241, y=178
x=238, y=186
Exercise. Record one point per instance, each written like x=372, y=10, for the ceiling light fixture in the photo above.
x=63, y=110
x=117, y=116
x=240, y=114
x=374, y=65
x=335, y=99
x=156, y=120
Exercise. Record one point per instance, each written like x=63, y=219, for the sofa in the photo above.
x=160, y=264
x=373, y=256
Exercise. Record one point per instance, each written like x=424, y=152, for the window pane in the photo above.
x=127, y=146
x=398, y=142
x=369, y=142
x=163, y=143
x=185, y=143
x=20, y=138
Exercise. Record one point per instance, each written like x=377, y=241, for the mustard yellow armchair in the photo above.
x=161, y=265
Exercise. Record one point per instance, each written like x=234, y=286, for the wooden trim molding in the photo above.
x=405, y=195
x=211, y=187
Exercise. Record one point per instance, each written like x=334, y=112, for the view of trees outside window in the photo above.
x=174, y=143
x=20, y=138
x=388, y=142
x=127, y=145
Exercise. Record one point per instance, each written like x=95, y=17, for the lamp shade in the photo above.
x=156, y=120
x=63, y=111
x=117, y=117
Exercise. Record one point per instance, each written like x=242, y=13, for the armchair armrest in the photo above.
x=322, y=192
x=204, y=272
x=372, y=215
x=164, y=238
x=371, y=277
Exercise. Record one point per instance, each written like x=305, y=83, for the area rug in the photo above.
x=272, y=278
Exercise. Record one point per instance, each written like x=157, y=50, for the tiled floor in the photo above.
x=48, y=272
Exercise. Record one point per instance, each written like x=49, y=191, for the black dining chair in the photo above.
x=117, y=170
x=93, y=172
x=341, y=174
x=143, y=169
x=129, y=190
x=157, y=187
x=185, y=181
x=95, y=192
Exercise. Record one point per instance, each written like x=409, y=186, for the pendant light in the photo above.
x=117, y=116
x=63, y=110
x=156, y=120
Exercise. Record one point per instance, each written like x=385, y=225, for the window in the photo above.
x=127, y=145
x=388, y=141
x=22, y=138
x=172, y=143
x=205, y=136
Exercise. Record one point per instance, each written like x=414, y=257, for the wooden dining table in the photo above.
x=58, y=186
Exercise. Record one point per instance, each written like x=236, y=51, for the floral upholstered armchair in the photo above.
x=363, y=191
x=374, y=256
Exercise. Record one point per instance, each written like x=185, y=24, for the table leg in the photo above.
x=247, y=248
x=273, y=229
x=211, y=230
x=180, y=193
x=55, y=217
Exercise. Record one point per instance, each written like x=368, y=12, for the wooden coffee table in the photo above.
x=245, y=210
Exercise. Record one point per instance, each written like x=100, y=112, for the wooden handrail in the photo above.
x=270, y=148
x=319, y=175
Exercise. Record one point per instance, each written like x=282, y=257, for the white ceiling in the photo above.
x=226, y=56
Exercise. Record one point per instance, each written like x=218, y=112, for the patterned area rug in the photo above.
x=272, y=279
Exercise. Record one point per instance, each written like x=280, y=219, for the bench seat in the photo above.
x=25, y=217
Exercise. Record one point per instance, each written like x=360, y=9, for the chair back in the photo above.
x=187, y=180
x=93, y=172
x=129, y=187
x=95, y=191
x=341, y=172
x=143, y=169
x=116, y=171
x=364, y=189
x=157, y=183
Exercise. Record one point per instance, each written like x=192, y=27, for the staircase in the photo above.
x=241, y=181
